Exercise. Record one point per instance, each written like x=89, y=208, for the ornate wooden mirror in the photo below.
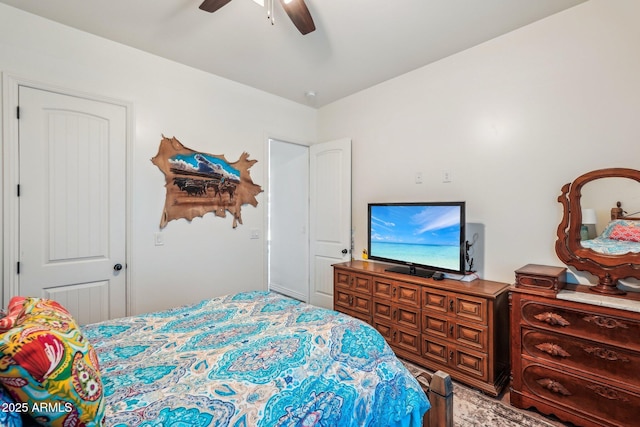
x=622, y=258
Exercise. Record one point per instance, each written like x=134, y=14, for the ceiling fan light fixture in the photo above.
x=296, y=9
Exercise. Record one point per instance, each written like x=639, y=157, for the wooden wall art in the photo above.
x=199, y=183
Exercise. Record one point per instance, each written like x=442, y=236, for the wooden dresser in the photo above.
x=458, y=327
x=578, y=361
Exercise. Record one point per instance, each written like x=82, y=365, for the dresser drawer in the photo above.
x=462, y=333
x=435, y=300
x=341, y=278
x=402, y=316
x=606, y=404
x=471, y=308
x=471, y=335
x=408, y=294
x=352, y=301
x=472, y=363
x=396, y=291
x=352, y=281
x=402, y=338
x=407, y=339
x=618, y=331
x=382, y=288
x=436, y=325
x=592, y=357
x=463, y=306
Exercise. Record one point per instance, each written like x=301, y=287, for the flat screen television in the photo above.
x=422, y=238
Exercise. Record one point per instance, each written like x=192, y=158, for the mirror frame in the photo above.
x=608, y=268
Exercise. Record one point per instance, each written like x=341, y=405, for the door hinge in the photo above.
x=18, y=268
x=18, y=112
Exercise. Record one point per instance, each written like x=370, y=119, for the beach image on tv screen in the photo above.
x=426, y=235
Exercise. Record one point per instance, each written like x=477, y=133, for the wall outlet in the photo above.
x=446, y=176
x=158, y=238
x=255, y=233
x=418, y=177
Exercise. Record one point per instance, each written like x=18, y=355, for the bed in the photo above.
x=621, y=236
x=249, y=359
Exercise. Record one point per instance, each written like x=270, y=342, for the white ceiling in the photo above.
x=357, y=43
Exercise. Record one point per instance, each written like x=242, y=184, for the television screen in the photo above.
x=426, y=235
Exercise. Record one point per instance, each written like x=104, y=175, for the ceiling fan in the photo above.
x=296, y=9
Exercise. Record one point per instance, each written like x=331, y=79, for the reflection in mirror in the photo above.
x=598, y=198
x=602, y=194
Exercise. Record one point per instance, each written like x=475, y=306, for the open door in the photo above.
x=330, y=216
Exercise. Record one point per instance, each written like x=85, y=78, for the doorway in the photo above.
x=309, y=217
x=288, y=219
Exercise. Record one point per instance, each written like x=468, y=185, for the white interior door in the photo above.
x=288, y=219
x=72, y=220
x=330, y=215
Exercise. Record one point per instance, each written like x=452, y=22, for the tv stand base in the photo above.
x=411, y=270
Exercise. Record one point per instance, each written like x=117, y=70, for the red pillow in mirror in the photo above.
x=625, y=232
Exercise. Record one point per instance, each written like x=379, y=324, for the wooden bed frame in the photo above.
x=619, y=213
x=439, y=389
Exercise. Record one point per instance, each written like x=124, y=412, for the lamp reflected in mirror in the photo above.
x=589, y=221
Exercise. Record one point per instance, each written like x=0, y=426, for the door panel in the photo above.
x=72, y=202
x=88, y=301
x=330, y=215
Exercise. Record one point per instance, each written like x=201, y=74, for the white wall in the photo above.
x=512, y=120
x=205, y=112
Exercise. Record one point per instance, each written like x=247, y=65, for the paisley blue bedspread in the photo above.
x=252, y=359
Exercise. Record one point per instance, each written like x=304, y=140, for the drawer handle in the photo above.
x=606, y=354
x=451, y=355
x=450, y=305
x=553, y=386
x=553, y=349
x=451, y=330
x=395, y=314
x=394, y=291
x=605, y=322
x=351, y=300
x=607, y=392
x=552, y=319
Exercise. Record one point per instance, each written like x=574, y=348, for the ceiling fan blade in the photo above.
x=299, y=14
x=213, y=5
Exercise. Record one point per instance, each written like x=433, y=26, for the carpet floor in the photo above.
x=473, y=408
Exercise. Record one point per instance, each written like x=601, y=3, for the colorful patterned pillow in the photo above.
x=626, y=233
x=47, y=364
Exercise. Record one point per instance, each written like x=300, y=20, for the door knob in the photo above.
x=344, y=252
x=117, y=267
